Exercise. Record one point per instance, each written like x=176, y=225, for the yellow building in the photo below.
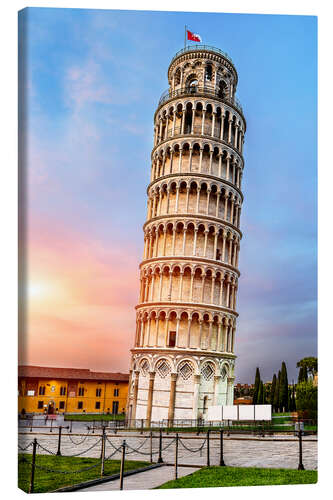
x=71, y=390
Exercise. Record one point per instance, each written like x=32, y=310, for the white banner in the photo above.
x=239, y=412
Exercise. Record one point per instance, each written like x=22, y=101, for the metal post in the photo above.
x=222, y=464
x=208, y=457
x=122, y=463
x=151, y=447
x=160, y=459
x=59, y=441
x=300, y=464
x=103, y=452
x=141, y=426
x=71, y=426
x=33, y=463
x=51, y=425
x=176, y=457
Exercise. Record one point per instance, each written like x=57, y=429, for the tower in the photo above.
x=183, y=356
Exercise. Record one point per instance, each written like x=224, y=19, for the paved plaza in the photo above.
x=239, y=450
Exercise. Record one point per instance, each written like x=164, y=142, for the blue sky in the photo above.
x=93, y=83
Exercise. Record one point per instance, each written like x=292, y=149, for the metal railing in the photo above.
x=191, y=48
x=198, y=90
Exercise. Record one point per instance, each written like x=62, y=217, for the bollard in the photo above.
x=160, y=459
x=141, y=426
x=300, y=463
x=176, y=457
x=71, y=426
x=222, y=464
x=51, y=425
x=208, y=457
x=122, y=463
x=103, y=452
x=151, y=447
x=59, y=441
x=33, y=464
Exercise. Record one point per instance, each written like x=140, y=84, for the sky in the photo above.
x=92, y=82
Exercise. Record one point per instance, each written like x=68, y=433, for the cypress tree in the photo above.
x=256, y=386
x=276, y=393
x=260, y=393
x=271, y=396
x=283, y=388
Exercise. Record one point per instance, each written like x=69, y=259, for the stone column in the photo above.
x=230, y=251
x=177, y=199
x=184, y=239
x=190, y=160
x=217, y=379
x=171, y=161
x=212, y=291
x=157, y=328
x=180, y=160
x=215, y=243
x=189, y=323
x=210, y=331
x=150, y=396
x=171, y=410
x=135, y=393
x=191, y=286
x=203, y=122
x=200, y=160
x=228, y=167
x=228, y=294
x=170, y=285
x=210, y=161
x=200, y=333
x=177, y=332
x=164, y=240
x=193, y=116
x=222, y=126
x=181, y=286
x=213, y=124
x=221, y=291
x=220, y=165
x=236, y=134
x=224, y=237
x=229, y=131
x=198, y=199
x=219, y=336
x=168, y=200
x=173, y=241
x=205, y=244
x=196, y=388
x=187, y=198
x=207, y=204
x=195, y=241
x=226, y=198
x=230, y=390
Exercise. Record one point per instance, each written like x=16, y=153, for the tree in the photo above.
x=307, y=400
x=256, y=386
x=302, y=375
x=283, y=388
x=277, y=393
x=271, y=396
x=309, y=365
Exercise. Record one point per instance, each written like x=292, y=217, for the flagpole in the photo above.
x=185, y=38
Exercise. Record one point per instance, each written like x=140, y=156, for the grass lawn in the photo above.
x=47, y=481
x=241, y=476
x=90, y=418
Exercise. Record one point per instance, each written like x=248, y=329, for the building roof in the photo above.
x=69, y=373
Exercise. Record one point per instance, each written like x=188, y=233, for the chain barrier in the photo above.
x=167, y=446
x=83, y=440
x=191, y=449
x=45, y=449
x=85, y=451
x=23, y=449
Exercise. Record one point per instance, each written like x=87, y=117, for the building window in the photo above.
x=42, y=390
x=80, y=405
x=172, y=339
x=40, y=405
x=115, y=407
x=81, y=391
x=98, y=393
x=61, y=405
x=98, y=405
x=62, y=391
x=116, y=392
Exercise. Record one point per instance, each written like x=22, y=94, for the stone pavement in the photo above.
x=144, y=480
x=239, y=451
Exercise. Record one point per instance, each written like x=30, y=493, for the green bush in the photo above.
x=307, y=400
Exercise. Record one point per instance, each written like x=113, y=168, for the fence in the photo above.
x=125, y=450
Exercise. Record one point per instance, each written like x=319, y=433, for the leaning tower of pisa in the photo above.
x=183, y=356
